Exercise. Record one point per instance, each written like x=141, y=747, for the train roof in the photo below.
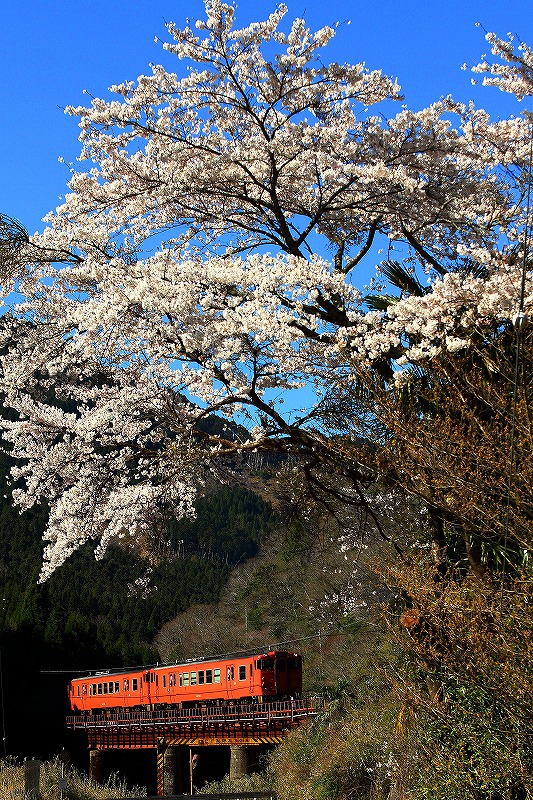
x=186, y=663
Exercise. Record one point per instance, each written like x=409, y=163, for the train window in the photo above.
x=216, y=676
x=147, y=678
x=164, y=681
x=134, y=684
x=209, y=676
x=99, y=688
x=265, y=663
x=242, y=672
x=126, y=685
x=117, y=686
x=201, y=676
x=281, y=665
x=295, y=663
x=193, y=678
x=93, y=688
x=111, y=687
x=84, y=689
x=172, y=679
x=72, y=690
x=185, y=678
x=105, y=687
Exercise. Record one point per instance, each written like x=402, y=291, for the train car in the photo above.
x=262, y=677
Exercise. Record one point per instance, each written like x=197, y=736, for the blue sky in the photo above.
x=51, y=51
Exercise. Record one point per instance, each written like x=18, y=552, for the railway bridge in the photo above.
x=170, y=731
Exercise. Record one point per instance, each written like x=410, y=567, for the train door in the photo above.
x=251, y=683
x=230, y=681
x=151, y=689
x=145, y=689
x=294, y=666
x=282, y=685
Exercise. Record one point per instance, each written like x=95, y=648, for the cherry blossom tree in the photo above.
x=205, y=260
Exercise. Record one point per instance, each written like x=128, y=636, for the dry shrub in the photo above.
x=350, y=752
x=79, y=787
x=470, y=683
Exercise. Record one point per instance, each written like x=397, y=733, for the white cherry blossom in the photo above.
x=206, y=255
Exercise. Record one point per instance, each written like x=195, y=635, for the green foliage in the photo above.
x=91, y=611
x=298, y=540
x=228, y=526
x=470, y=748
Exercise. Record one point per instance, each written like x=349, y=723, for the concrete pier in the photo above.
x=238, y=765
x=171, y=770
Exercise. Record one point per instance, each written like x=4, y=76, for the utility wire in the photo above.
x=233, y=654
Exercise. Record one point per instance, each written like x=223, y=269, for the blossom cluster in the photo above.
x=205, y=261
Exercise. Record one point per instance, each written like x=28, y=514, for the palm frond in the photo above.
x=402, y=278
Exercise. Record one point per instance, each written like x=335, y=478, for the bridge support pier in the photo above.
x=169, y=778
x=96, y=766
x=170, y=769
x=238, y=765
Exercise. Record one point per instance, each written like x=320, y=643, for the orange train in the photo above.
x=263, y=677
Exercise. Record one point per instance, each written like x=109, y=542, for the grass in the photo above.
x=79, y=787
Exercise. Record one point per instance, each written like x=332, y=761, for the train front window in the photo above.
x=280, y=665
x=265, y=663
x=295, y=663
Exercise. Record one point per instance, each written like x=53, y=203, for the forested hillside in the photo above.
x=97, y=614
